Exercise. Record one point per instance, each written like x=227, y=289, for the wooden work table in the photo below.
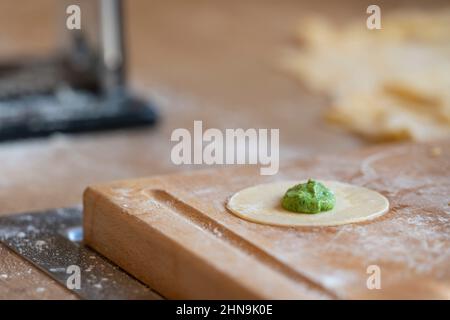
x=197, y=60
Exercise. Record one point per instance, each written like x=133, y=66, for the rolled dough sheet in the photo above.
x=262, y=204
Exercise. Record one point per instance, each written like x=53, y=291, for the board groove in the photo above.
x=171, y=203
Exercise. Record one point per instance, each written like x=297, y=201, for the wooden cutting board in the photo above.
x=175, y=234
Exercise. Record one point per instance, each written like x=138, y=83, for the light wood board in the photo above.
x=175, y=233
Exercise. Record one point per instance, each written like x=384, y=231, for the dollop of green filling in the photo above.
x=309, y=197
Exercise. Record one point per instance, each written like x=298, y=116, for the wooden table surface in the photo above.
x=214, y=61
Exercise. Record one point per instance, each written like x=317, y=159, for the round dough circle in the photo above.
x=262, y=204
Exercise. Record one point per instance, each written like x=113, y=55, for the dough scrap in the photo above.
x=262, y=204
x=384, y=84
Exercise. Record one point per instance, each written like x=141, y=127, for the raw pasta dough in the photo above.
x=262, y=204
x=384, y=84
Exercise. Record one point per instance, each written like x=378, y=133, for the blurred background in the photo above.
x=216, y=61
